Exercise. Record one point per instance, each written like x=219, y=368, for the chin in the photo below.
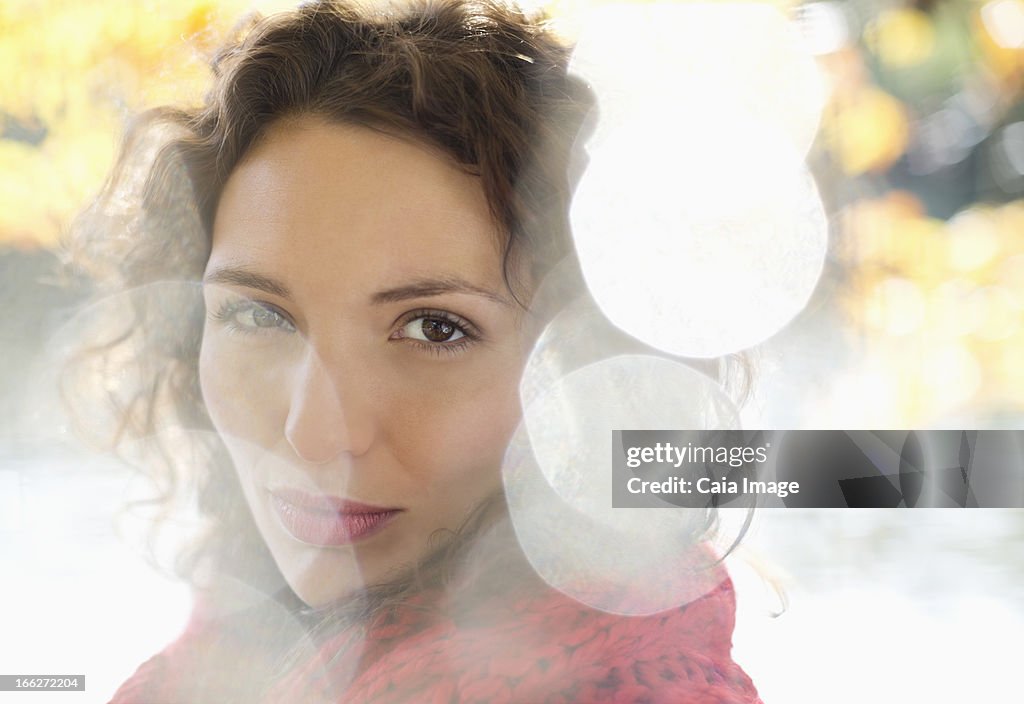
x=334, y=575
x=318, y=590
x=318, y=576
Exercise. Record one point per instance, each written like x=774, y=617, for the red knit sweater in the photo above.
x=537, y=649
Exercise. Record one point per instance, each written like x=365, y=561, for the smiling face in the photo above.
x=362, y=352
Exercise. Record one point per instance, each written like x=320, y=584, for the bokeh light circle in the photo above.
x=698, y=226
x=558, y=483
x=693, y=260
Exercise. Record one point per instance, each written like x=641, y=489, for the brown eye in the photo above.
x=433, y=329
x=437, y=330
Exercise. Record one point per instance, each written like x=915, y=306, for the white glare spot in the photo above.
x=1004, y=20
x=699, y=252
x=824, y=26
x=558, y=482
x=698, y=227
x=570, y=426
x=710, y=58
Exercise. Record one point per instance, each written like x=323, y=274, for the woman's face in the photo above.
x=361, y=353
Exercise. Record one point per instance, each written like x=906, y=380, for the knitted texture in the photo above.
x=548, y=649
x=542, y=648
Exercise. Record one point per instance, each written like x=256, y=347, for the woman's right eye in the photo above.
x=252, y=317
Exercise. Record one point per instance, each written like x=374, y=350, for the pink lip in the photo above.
x=328, y=521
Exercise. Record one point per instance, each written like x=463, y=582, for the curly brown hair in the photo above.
x=481, y=80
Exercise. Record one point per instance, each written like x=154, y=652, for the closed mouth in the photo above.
x=328, y=521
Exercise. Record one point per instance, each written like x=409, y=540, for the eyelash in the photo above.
x=228, y=310
x=470, y=333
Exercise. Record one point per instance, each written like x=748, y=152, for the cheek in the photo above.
x=460, y=432
x=243, y=396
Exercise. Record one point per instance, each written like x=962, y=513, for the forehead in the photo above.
x=315, y=198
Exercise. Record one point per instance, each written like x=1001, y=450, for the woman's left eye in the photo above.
x=435, y=330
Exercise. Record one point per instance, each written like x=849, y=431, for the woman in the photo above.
x=370, y=199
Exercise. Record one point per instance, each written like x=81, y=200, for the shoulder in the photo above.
x=215, y=659
x=163, y=677
x=147, y=685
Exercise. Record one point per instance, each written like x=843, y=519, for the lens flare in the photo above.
x=558, y=482
x=698, y=227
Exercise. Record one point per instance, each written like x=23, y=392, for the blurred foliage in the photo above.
x=921, y=145
x=71, y=75
x=925, y=143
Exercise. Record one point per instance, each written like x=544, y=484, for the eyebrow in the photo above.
x=248, y=279
x=425, y=288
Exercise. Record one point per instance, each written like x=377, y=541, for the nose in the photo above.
x=325, y=420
